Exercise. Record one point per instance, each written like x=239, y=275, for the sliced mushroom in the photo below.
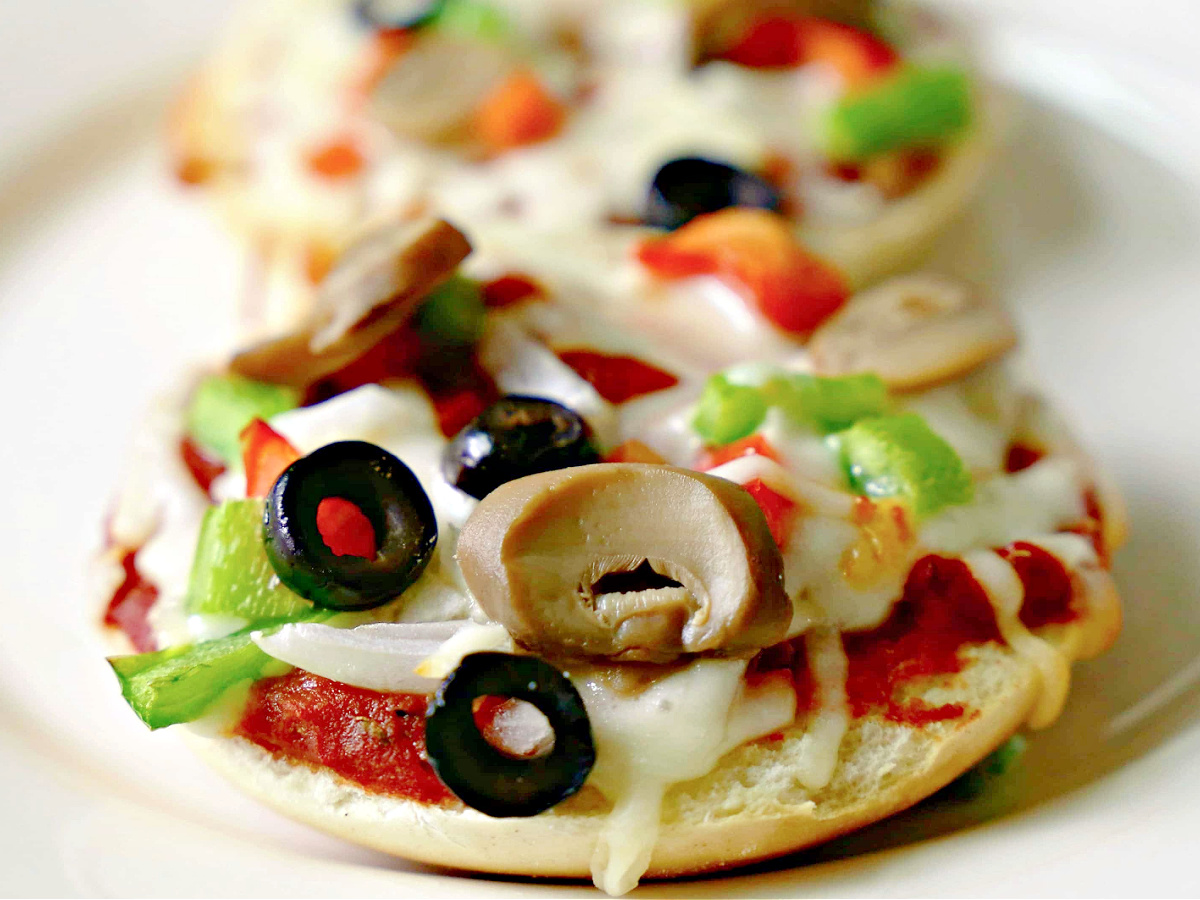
x=432, y=91
x=373, y=287
x=627, y=561
x=913, y=331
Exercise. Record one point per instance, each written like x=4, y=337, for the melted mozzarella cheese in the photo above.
x=827, y=725
x=1004, y=590
x=674, y=731
x=1042, y=499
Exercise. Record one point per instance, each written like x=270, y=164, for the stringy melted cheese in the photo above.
x=674, y=731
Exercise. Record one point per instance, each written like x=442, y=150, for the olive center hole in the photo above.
x=514, y=727
x=345, y=529
x=643, y=578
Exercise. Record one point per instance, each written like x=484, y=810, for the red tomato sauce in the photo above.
x=129, y=608
x=617, y=378
x=373, y=739
x=792, y=657
x=1048, y=592
x=943, y=609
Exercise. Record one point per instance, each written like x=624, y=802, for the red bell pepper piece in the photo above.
x=754, y=251
x=265, y=454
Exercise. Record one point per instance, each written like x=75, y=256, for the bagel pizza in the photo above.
x=560, y=130
x=514, y=588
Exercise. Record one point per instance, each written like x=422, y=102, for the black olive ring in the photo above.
x=423, y=12
x=485, y=778
x=387, y=493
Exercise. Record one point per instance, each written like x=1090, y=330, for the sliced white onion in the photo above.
x=379, y=657
x=521, y=364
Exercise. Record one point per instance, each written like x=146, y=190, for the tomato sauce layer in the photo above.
x=1048, y=592
x=943, y=609
x=129, y=608
x=373, y=739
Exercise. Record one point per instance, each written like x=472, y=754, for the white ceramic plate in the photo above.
x=111, y=278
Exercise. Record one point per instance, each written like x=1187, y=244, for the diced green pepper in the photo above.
x=916, y=106
x=473, y=19
x=976, y=780
x=222, y=405
x=727, y=412
x=179, y=684
x=828, y=404
x=453, y=314
x=901, y=456
x=231, y=575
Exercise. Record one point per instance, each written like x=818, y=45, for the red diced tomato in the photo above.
x=340, y=158
x=755, y=251
x=509, y=290
x=779, y=510
x=1021, y=456
x=519, y=111
x=265, y=454
x=344, y=528
x=858, y=56
x=617, y=378
x=203, y=468
x=782, y=41
x=771, y=42
x=755, y=445
x=129, y=608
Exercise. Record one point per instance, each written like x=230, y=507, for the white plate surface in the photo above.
x=111, y=278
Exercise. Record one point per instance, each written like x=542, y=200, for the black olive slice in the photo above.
x=514, y=437
x=387, y=493
x=483, y=777
x=387, y=15
x=692, y=186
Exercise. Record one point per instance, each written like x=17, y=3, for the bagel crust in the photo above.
x=749, y=809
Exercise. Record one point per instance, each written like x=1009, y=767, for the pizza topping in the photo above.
x=388, y=15
x=385, y=491
x=231, y=575
x=901, y=456
x=129, y=608
x=756, y=252
x=915, y=106
x=514, y=437
x=181, y=684
x=374, y=739
x=785, y=41
x=265, y=454
x=453, y=314
x=692, y=186
x=617, y=378
x=517, y=112
x=495, y=782
x=913, y=331
x=433, y=91
x=222, y=405
x=373, y=289
x=942, y=610
x=727, y=411
x=626, y=560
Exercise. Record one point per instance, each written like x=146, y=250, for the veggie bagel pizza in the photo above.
x=475, y=576
x=551, y=129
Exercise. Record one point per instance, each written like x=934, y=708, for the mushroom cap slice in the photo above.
x=627, y=561
x=913, y=331
x=432, y=92
x=376, y=284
